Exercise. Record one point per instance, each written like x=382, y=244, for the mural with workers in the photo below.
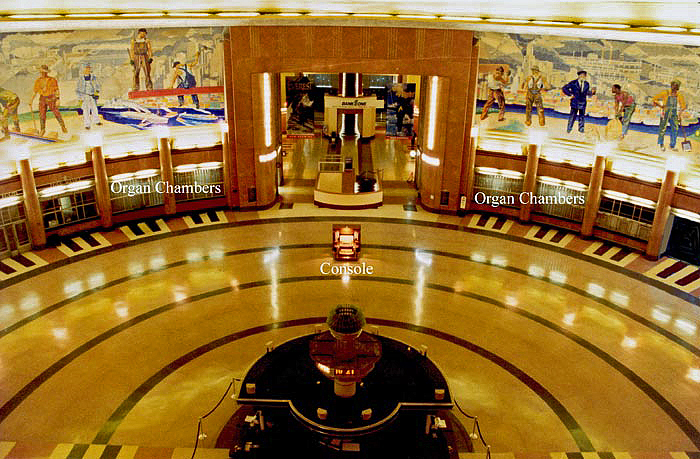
x=56, y=85
x=646, y=96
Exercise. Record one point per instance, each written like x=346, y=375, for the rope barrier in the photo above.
x=476, y=430
x=200, y=432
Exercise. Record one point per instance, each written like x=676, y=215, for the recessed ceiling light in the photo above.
x=670, y=29
x=289, y=14
x=371, y=15
x=415, y=16
x=552, y=23
x=34, y=16
x=238, y=14
x=141, y=15
x=608, y=26
x=505, y=21
x=460, y=18
x=185, y=14
x=328, y=14
x=90, y=15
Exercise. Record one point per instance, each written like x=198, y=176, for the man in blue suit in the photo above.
x=578, y=90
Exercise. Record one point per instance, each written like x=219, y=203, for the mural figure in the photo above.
x=672, y=104
x=141, y=55
x=88, y=91
x=49, y=96
x=185, y=79
x=9, y=101
x=579, y=90
x=534, y=85
x=624, y=107
x=496, y=82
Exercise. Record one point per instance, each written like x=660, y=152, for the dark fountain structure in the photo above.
x=344, y=393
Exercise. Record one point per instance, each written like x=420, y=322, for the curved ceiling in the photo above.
x=635, y=12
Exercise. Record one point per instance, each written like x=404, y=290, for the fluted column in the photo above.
x=32, y=208
x=662, y=213
x=529, y=180
x=166, y=171
x=102, y=194
x=595, y=190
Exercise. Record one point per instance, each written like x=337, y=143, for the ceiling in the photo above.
x=636, y=12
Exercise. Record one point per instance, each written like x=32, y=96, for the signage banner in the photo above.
x=399, y=109
x=300, y=105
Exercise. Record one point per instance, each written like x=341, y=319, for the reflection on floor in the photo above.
x=390, y=155
x=554, y=342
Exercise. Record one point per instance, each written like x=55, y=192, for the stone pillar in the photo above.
x=32, y=208
x=662, y=213
x=529, y=180
x=166, y=172
x=595, y=190
x=102, y=194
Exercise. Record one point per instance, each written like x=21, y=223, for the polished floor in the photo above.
x=554, y=348
x=389, y=156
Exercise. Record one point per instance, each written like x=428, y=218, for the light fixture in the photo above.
x=507, y=21
x=267, y=108
x=90, y=15
x=669, y=29
x=141, y=15
x=555, y=23
x=34, y=16
x=371, y=15
x=288, y=14
x=605, y=25
x=432, y=110
x=430, y=160
x=239, y=14
x=415, y=16
x=460, y=18
x=329, y=14
x=186, y=14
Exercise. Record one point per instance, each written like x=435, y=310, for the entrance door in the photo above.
x=14, y=236
x=684, y=243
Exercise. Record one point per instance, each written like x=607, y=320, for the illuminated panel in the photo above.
x=432, y=112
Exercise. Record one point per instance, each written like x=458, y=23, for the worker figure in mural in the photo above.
x=49, y=96
x=672, y=104
x=9, y=101
x=624, y=107
x=141, y=55
x=88, y=91
x=496, y=81
x=579, y=90
x=534, y=85
x=184, y=79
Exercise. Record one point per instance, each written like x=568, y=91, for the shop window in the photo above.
x=628, y=215
x=201, y=181
x=560, y=198
x=497, y=183
x=135, y=191
x=68, y=204
x=13, y=227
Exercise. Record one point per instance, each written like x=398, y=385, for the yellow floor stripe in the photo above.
x=35, y=258
x=127, y=452
x=18, y=267
x=94, y=451
x=681, y=274
x=61, y=451
x=660, y=267
x=81, y=242
x=690, y=287
x=5, y=448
